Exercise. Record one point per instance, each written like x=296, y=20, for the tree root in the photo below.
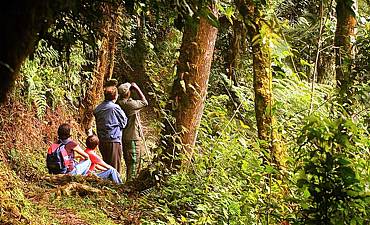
x=78, y=189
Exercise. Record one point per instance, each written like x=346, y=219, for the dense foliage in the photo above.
x=48, y=80
x=322, y=177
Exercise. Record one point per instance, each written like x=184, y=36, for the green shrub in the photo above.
x=332, y=177
x=227, y=183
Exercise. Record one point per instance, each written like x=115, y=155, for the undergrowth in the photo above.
x=15, y=207
x=228, y=182
x=48, y=81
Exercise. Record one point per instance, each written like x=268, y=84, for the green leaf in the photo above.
x=211, y=18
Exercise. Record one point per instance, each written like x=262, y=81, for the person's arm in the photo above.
x=121, y=116
x=99, y=162
x=99, y=167
x=140, y=93
x=79, y=150
x=104, y=164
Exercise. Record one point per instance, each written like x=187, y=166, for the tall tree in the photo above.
x=135, y=59
x=325, y=65
x=190, y=86
x=259, y=32
x=344, y=38
x=110, y=29
x=237, y=48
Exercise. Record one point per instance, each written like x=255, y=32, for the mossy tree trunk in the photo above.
x=345, y=35
x=326, y=67
x=110, y=29
x=326, y=57
x=190, y=86
x=259, y=37
x=237, y=48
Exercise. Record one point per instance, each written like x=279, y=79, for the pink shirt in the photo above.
x=94, y=158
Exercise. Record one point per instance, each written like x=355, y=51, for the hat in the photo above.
x=124, y=88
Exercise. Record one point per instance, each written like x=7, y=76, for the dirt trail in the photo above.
x=66, y=216
x=23, y=132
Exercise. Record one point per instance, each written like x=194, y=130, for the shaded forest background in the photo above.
x=258, y=111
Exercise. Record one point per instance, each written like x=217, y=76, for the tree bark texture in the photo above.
x=103, y=72
x=237, y=48
x=190, y=86
x=326, y=67
x=262, y=74
x=21, y=21
x=343, y=41
x=326, y=57
x=262, y=83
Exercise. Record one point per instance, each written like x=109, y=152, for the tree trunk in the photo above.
x=326, y=67
x=20, y=23
x=263, y=101
x=262, y=75
x=343, y=41
x=237, y=48
x=326, y=58
x=105, y=63
x=190, y=86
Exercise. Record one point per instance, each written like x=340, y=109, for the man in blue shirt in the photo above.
x=110, y=121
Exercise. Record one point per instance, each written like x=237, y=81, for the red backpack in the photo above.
x=57, y=160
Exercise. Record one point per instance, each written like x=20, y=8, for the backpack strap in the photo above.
x=68, y=162
x=53, y=147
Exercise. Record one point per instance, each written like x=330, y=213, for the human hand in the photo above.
x=134, y=85
x=109, y=167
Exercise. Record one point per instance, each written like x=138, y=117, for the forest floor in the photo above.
x=30, y=196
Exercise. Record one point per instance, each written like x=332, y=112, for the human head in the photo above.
x=92, y=141
x=110, y=93
x=124, y=90
x=111, y=82
x=64, y=131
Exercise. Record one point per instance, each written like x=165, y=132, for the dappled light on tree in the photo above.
x=257, y=112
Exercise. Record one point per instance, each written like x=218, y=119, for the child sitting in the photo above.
x=108, y=172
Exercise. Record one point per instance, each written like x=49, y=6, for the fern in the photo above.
x=292, y=104
x=41, y=105
x=46, y=82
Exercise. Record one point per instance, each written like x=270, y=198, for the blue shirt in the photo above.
x=110, y=121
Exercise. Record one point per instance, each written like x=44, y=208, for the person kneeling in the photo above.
x=108, y=172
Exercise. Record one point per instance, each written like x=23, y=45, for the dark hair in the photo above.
x=110, y=93
x=111, y=82
x=92, y=141
x=64, y=131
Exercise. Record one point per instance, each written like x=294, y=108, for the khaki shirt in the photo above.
x=133, y=130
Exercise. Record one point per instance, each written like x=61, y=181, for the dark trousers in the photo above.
x=132, y=153
x=112, y=154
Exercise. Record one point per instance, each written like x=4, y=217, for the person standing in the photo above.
x=133, y=133
x=110, y=121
